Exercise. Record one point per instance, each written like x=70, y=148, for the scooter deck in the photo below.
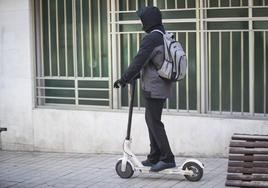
x=175, y=170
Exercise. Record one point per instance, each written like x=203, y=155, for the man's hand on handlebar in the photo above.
x=119, y=83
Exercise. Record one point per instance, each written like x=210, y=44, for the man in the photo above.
x=155, y=89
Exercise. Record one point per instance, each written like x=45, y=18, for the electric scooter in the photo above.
x=191, y=169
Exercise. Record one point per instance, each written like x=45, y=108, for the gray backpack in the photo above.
x=175, y=64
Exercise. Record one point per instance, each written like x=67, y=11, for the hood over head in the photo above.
x=150, y=17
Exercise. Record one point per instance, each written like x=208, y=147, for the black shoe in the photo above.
x=161, y=165
x=147, y=163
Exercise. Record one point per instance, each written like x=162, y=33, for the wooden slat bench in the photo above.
x=248, y=161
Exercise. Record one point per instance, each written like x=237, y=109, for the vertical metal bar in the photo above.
x=137, y=5
x=264, y=72
x=35, y=27
x=177, y=97
x=231, y=72
x=90, y=38
x=65, y=39
x=263, y=2
x=127, y=5
x=146, y=2
x=109, y=55
x=138, y=86
x=198, y=82
x=241, y=2
x=242, y=72
x=119, y=55
x=186, y=5
x=155, y=3
x=119, y=66
x=209, y=74
x=208, y=4
x=36, y=70
x=165, y=4
x=230, y=3
x=39, y=53
x=57, y=38
x=187, y=72
x=251, y=60
x=75, y=49
x=220, y=72
x=139, y=96
x=82, y=37
x=49, y=38
x=114, y=54
x=76, y=91
x=167, y=104
x=99, y=38
x=41, y=39
x=205, y=108
x=128, y=61
x=177, y=85
x=203, y=61
x=176, y=4
x=219, y=3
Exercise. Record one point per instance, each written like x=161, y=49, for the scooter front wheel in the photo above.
x=196, y=169
x=127, y=173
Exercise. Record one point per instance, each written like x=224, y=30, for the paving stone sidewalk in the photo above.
x=64, y=170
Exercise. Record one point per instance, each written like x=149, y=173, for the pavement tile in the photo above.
x=65, y=170
x=4, y=184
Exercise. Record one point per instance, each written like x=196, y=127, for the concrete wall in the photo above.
x=16, y=74
x=93, y=131
x=85, y=130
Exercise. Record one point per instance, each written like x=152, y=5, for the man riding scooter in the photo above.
x=155, y=89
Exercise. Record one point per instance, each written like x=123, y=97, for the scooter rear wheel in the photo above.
x=196, y=169
x=127, y=173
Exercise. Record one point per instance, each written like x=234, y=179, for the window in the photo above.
x=85, y=45
x=73, y=64
x=184, y=93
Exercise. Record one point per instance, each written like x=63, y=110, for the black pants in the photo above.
x=159, y=145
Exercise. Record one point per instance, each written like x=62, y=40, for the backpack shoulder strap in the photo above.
x=157, y=30
x=167, y=54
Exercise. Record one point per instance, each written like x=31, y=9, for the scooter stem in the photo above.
x=132, y=89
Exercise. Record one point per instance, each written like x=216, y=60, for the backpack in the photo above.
x=175, y=63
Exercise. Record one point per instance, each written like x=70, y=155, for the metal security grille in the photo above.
x=85, y=45
x=73, y=56
x=180, y=18
x=236, y=56
x=226, y=46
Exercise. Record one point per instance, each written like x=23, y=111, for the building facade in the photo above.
x=59, y=59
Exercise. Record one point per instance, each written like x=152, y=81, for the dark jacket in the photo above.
x=150, y=57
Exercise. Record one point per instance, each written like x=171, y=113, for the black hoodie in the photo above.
x=150, y=56
x=151, y=18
